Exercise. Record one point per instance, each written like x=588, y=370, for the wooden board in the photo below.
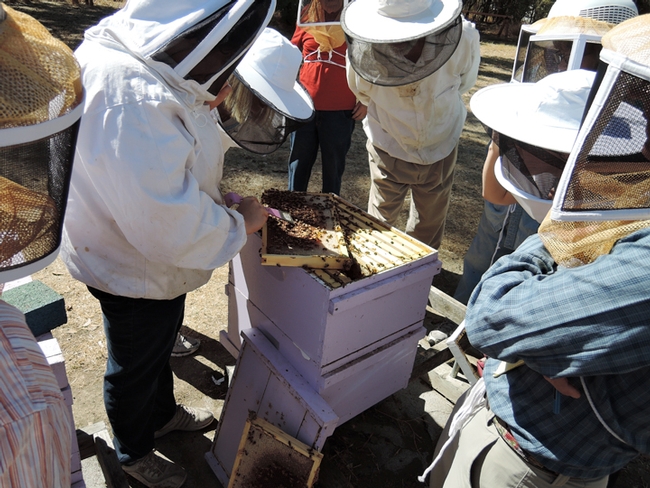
x=314, y=241
x=267, y=457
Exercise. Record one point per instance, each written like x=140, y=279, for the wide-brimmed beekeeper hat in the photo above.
x=271, y=69
x=268, y=102
x=535, y=126
x=398, y=20
x=545, y=114
x=397, y=42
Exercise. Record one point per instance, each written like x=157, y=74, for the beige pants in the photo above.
x=480, y=458
x=430, y=186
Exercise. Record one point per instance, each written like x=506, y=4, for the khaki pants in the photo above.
x=480, y=458
x=430, y=186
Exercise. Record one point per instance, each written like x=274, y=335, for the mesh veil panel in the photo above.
x=532, y=169
x=232, y=46
x=39, y=83
x=545, y=58
x=34, y=181
x=251, y=123
x=401, y=63
x=612, y=170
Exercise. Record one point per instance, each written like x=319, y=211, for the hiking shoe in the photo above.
x=184, y=346
x=156, y=472
x=186, y=418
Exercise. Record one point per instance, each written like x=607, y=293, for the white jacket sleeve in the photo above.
x=470, y=75
x=358, y=86
x=157, y=186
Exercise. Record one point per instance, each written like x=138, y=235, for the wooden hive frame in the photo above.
x=267, y=456
x=332, y=251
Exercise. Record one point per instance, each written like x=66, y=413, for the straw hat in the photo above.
x=545, y=114
x=568, y=25
x=383, y=21
x=631, y=39
x=270, y=70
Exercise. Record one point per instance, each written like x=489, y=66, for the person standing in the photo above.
x=323, y=75
x=146, y=222
x=563, y=319
x=410, y=62
x=505, y=225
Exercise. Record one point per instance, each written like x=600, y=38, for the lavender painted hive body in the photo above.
x=351, y=343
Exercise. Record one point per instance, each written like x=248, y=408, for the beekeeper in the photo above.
x=41, y=101
x=563, y=318
x=146, y=222
x=574, y=27
x=410, y=62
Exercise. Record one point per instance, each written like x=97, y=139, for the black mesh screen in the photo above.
x=532, y=169
x=34, y=182
x=401, y=63
x=262, y=135
x=612, y=169
x=520, y=56
x=233, y=45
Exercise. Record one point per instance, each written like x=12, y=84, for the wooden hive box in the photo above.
x=265, y=383
x=322, y=319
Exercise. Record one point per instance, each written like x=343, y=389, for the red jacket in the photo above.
x=326, y=83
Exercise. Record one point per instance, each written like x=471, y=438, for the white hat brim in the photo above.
x=362, y=20
x=534, y=206
x=499, y=108
x=295, y=104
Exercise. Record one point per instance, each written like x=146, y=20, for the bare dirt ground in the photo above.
x=386, y=446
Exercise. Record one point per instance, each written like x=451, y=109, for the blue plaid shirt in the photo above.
x=592, y=322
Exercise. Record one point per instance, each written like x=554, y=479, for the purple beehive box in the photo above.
x=318, y=328
x=265, y=383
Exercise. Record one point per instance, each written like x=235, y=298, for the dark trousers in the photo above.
x=332, y=132
x=138, y=383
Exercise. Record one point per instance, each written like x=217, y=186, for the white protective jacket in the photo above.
x=145, y=217
x=421, y=122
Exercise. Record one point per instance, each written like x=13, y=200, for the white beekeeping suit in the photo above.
x=149, y=71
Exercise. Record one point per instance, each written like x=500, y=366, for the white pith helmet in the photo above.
x=613, y=12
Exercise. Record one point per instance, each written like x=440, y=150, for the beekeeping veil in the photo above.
x=558, y=44
x=40, y=107
x=199, y=41
x=569, y=38
x=322, y=19
x=397, y=42
x=534, y=125
x=267, y=102
x=604, y=192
